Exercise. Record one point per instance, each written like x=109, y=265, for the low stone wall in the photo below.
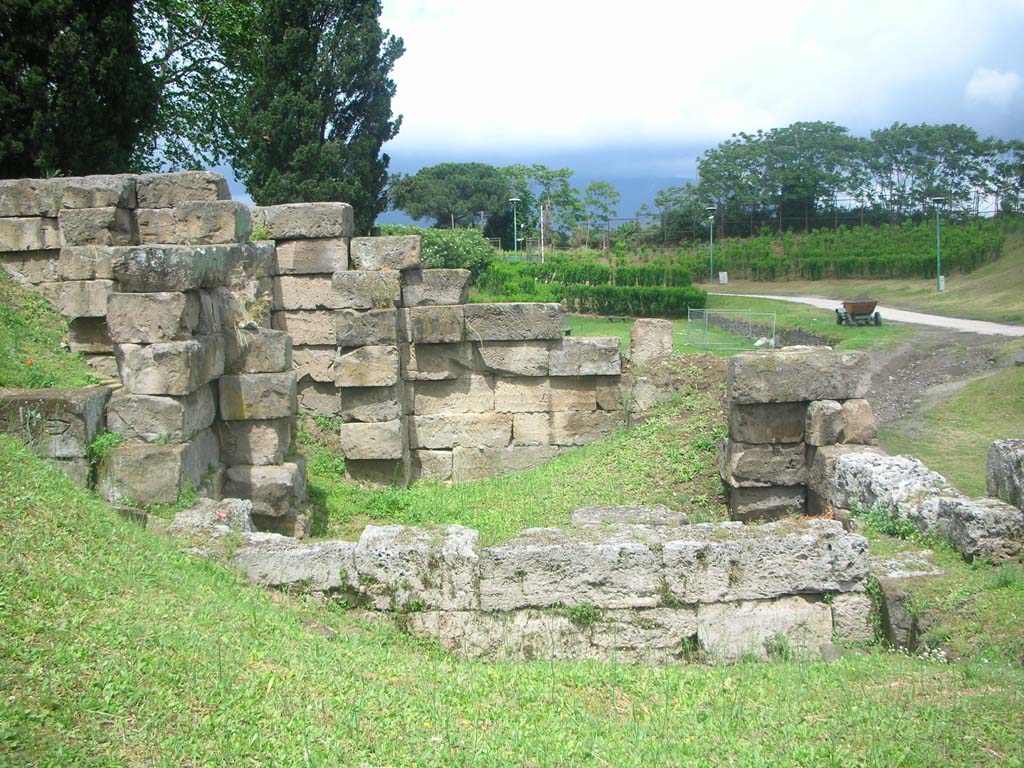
x=1004, y=475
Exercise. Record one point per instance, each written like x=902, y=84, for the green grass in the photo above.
x=118, y=649
x=31, y=333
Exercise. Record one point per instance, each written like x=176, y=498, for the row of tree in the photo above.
x=294, y=94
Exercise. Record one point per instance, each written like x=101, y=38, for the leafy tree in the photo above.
x=1008, y=175
x=75, y=94
x=451, y=194
x=319, y=108
x=599, y=201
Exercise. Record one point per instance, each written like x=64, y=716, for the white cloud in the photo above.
x=990, y=86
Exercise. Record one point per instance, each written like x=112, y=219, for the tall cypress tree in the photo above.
x=319, y=107
x=74, y=92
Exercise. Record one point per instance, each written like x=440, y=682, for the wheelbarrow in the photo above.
x=858, y=312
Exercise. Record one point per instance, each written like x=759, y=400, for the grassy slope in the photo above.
x=118, y=649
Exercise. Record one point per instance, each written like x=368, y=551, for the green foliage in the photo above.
x=452, y=194
x=777, y=648
x=886, y=521
x=638, y=302
x=103, y=445
x=449, y=248
x=583, y=615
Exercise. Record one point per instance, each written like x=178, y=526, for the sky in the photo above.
x=633, y=92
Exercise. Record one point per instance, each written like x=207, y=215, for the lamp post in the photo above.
x=937, y=201
x=515, y=233
x=711, y=240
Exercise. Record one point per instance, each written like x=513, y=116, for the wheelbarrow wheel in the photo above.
x=839, y=317
x=878, y=318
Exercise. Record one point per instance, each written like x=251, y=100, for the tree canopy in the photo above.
x=451, y=194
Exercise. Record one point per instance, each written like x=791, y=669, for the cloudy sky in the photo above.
x=632, y=92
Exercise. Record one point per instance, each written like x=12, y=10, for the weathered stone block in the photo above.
x=78, y=471
x=104, y=366
x=513, y=322
x=746, y=465
x=97, y=191
x=323, y=256
x=435, y=362
x=658, y=515
x=1004, y=476
x=317, y=398
x=315, y=328
x=589, y=356
x=796, y=374
x=256, y=396
x=650, y=341
x=767, y=423
x=275, y=490
x=432, y=325
x=305, y=220
x=371, y=366
x=480, y=463
x=29, y=234
x=259, y=350
x=983, y=528
x=79, y=298
x=148, y=318
x=315, y=362
x=522, y=395
x=572, y=393
x=29, y=197
x=859, y=423
x=172, y=267
x=147, y=473
x=254, y=442
x=195, y=223
x=87, y=262
x=466, y=429
x=564, y=427
x=432, y=465
x=367, y=289
x=824, y=424
x=56, y=423
x=305, y=292
x=171, y=367
x=730, y=631
x=96, y=226
x=821, y=467
x=34, y=266
x=371, y=403
x=375, y=326
x=471, y=394
x=372, y=440
x=167, y=190
x=609, y=393
x=514, y=358
x=89, y=335
x=430, y=287
x=851, y=618
x=161, y=419
x=380, y=473
x=271, y=560
x=401, y=252
x=772, y=502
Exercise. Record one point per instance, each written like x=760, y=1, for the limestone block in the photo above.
x=97, y=191
x=375, y=326
x=372, y=440
x=29, y=234
x=294, y=221
x=480, y=463
x=259, y=350
x=650, y=341
x=983, y=528
x=89, y=335
x=772, y=502
x=168, y=190
x=730, y=631
x=368, y=289
x=34, y=266
x=821, y=466
x=104, y=366
x=86, y=262
x=399, y=566
x=170, y=367
x=797, y=374
x=1004, y=476
x=29, y=197
x=371, y=403
x=588, y=356
x=432, y=465
x=271, y=560
x=161, y=419
x=315, y=362
x=650, y=636
x=323, y=256
x=746, y=465
x=448, y=430
x=275, y=490
x=523, y=395
x=851, y=618
x=435, y=362
x=96, y=226
x=608, y=391
x=314, y=328
x=430, y=287
x=147, y=318
x=220, y=311
x=767, y=422
x=317, y=398
x=257, y=396
x=564, y=427
x=513, y=322
x=56, y=423
x=401, y=252
x=256, y=258
x=859, y=423
x=172, y=267
x=196, y=223
x=432, y=325
x=546, y=567
x=471, y=394
x=724, y=562
x=572, y=393
x=305, y=292
x=514, y=358
x=658, y=515
x=79, y=298
x=371, y=366
x=254, y=442
x=824, y=423
x=147, y=473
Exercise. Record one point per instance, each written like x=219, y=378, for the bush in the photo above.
x=449, y=248
x=638, y=302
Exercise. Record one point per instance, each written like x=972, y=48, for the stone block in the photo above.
x=87, y=262
x=514, y=358
x=29, y=234
x=294, y=221
x=796, y=374
x=432, y=465
x=79, y=298
x=821, y=466
x=436, y=362
x=323, y=256
x=471, y=394
x=989, y=529
x=170, y=367
x=658, y=515
x=259, y=350
x=89, y=336
x=609, y=393
x=194, y=223
x=448, y=430
x=851, y=618
x=161, y=419
x=372, y=440
x=824, y=423
x=746, y=465
x=305, y=292
x=254, y=442
x=97, y=191
x=257, y=396
x=34, y=266
x=313, y=328
x=765, y=630
x=859, y=423
x=589, y=356
x=315, y=362
x=400, y=252
x=767, y=422
x=772, y=502
x=275, y=490
x=1004, y=475
x=148, y=318
x=291, y=524
x=78, y=471
x=29, y=197
x=56, y=423
x=256, y=258
x=147, y=473
x=371, y=366
x=431, y=287
x=470, y=464
x=522, y=395
x=571, y=393
x=104, y=366
x=271, y=560
x=650, y=341
x=564, y=427
x=432, y=325
x=147, y=268
x=96, y=226
x=371, y=403
x=380, y=473
x=317, y=398
x=368, y=289
x=513, y=322
x=168, y=190
x=399, y=567
x=360, y=328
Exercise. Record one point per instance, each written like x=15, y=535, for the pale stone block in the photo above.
x=448, y=430
x=259, y=350
x=79, y=298
x=56, y=423
x=767, y=422
x=797, y=374
x=746, y=465
x=429, y=287
x=306, y=328
x=824, y=421
x=294, y=221
x=514, y=358
x=730, y=631
x=988, y=529
x=564, y=427
x=771, y=502
x=851, y=618
x=368, y=289
x=859, y=423
x=34, y=266
x=29, y=234
x=148, y=268
x=147, y=473
x=147, y=318
x=168, y=190
x=658, y=515
x=1004, y=474
x=512, y=322
x=821, y=468
x=608, y=392
x=29, y=197
x=104, y=366
x=471, y=394
x=89, y=335
x=522, y=395
x=87, y=262
x=590, y=356
x=270, y=560
x=569, y=393
x=97, y=191
x=432, y=325
x=435, y=362
x=372, y=440
x=196, y=223
x=315, y=362
x=399, y=252
x=254, y=443
x=317, y=399
x=310, y=257
x=306, y=292
x=371, y=403
x=161, y=419
x=96, y=226
x=433, y=465
x=360, y=328
x=650, y=341
x=275, y=490
x=480, y=463
x=257, y=396
x=170, y=367
x=371, y=366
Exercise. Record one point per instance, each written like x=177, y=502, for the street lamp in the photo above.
x=711, y=240
x=515, y=233
x=938, y=242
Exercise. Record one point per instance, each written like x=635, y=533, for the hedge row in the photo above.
x=573, y=272
x=635, y=301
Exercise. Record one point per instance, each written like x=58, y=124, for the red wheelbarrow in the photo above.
x=858, y=312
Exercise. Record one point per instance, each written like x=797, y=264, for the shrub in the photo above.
x=449, y=248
